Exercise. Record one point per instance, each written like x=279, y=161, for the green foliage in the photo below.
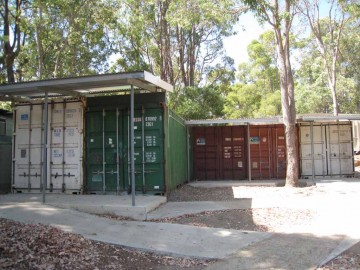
x=66, y=38
x=5, y=106
x=242, y=101
x=312, y=90
x=198, y=103
x=177, y=40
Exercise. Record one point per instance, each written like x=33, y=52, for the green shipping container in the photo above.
x=159, y=143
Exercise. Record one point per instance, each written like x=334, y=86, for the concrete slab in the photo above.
x=224, y=183
x=93, y=204
x=175, y=239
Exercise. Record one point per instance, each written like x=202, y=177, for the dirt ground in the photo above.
x=269, y=219
x=24, y=246
x=263, y=220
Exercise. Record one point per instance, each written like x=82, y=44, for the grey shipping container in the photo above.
x=326, y=149
x=65, y=140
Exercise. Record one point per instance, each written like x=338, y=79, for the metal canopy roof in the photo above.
x=86, y=85
x=235, y=122
x=274, y=120
x=326, y=117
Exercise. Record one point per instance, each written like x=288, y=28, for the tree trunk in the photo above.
x=287, y=98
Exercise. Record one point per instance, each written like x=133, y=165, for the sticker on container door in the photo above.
x=57, y=132
x=254, y=140
x=255, y=165
x=150, y=157
x=24, y=117
x=264, y=139
x=70, y=132
x=240, y=164
x=200, y=141
x=70, y=153
x=57, y=153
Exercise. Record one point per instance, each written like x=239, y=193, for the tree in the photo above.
x=280, y=14
x=178, y=40
x=312, y=94
x=66, y=38
x=242, y=101
x=199, y=102
x=328, y=35
x=13, y=35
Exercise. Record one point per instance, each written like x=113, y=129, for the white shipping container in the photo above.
x=65, y=147
x=356, y=135
x=329, y=151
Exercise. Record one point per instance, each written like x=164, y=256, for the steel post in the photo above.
x=249, y=152
x=312, y=150
x=45, y=163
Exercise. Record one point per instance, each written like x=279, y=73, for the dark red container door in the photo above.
x=232, y=158
x=260, y=152
x=268, y=152
x=206, y=163
x=220, y=153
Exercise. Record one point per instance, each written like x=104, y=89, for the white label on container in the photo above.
x=156, y=187
x=255, y=165
x=240, y=164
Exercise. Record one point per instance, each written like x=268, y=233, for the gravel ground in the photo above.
x=263, y=220
x=269, y=219
x=350, y=259
x=24, y=246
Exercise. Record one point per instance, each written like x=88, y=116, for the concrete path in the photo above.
x=93, y=204
x=164, y=238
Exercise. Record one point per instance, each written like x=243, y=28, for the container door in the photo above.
x=28, y=147
x=232, y=161
x=339, y=149
x=65, y=140
x=104, y=149
x=148, y=150
x=279, y=153
x=319, y=148
x=260, y=147
x=205, y=153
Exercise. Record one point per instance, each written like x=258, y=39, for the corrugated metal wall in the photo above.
x=221, y=152
x=326, y=149
x=5, y=164
x=65, y=140
x=176, y=150
x=356, y=135
x=268, y=152
x=159, y=144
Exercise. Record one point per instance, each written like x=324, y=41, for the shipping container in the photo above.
x=176, y=163
x=356, y=136
x=5, y=164
x=220, y=153
x=6, y=125
x=268, y=152
x=158, y=169
x=65, y=146
x=326, y=149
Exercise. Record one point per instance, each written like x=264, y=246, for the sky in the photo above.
x=247, y=30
